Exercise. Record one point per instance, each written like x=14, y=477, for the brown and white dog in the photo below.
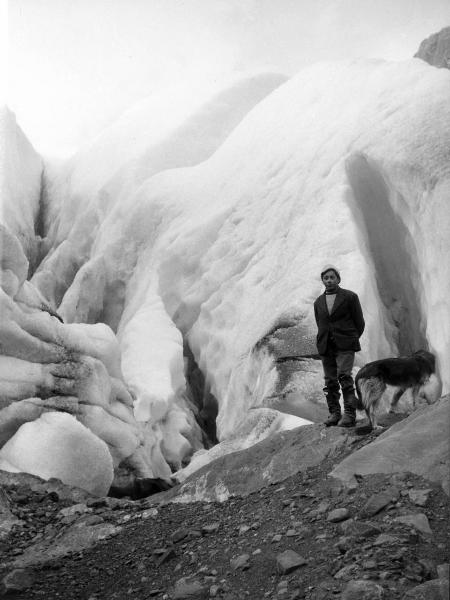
x=404, y=373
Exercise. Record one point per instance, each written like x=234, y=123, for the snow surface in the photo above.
x=346, y=163
x=176, y=127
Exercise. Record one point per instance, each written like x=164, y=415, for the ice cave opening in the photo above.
x=392, y=250
x=199, y=393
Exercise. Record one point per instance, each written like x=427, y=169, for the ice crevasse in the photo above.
x=345, y=163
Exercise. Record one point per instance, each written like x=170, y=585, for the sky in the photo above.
x=74, y=66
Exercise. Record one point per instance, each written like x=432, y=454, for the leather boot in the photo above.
x=332, y=396
x=349, y=416
x=347, y=421
x=332, y=419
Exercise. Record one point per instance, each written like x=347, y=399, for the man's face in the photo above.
x=330, y=280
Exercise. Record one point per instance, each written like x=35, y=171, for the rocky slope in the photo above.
x=287, y=530
x=435, y=50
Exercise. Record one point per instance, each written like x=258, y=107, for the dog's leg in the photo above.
x=378, y=390
x=396, y=397
x=371, y=391
x=373, y=417
x=415, y=394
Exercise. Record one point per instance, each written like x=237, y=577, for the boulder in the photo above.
x=361, y=529
x=417, y=520
x=189, y=588
x=338, y=514
x=419, y=444
x=270, y=461
x=436, y=589
x=289, y=561
x=241, y=562
x=377, y=502
x=419, y=497
x=16, y=581
x=361, y=589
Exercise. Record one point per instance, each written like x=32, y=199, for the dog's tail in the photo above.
x=359, y=404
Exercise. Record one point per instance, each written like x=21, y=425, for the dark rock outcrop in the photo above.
x=419, y=444
x=435, y=50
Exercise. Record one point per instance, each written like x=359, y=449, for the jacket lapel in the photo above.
x=338, y=300
x=323, y=304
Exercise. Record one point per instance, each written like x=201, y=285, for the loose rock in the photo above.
x=418, y=520
x=179, y=535
x=436, y=589
x=362, y=589
x=185, y=588
x=338, y=514
x=167, y=555
x=243, y=529
x=379, y=501
x=419, y=497
x=241, y=562
x=18, y=580
x=362, y=529
x=288, y=561
x=385, y=539
x=346, y=573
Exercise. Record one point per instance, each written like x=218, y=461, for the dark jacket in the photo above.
x=344, y=325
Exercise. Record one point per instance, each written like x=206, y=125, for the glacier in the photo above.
x=173, y=246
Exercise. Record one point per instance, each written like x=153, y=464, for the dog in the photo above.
x=404, y=373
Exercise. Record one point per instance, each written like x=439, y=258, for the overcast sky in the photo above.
x=76, y=65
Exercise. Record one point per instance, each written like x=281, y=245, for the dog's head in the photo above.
x=427, y=358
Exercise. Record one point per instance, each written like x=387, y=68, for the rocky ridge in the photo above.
x=435, y=49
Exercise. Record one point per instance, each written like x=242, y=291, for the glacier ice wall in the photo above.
x=20, y=185
x=70, y=215
x=48, y=367
x=345, y=163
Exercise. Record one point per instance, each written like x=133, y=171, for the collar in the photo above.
x=332, y=293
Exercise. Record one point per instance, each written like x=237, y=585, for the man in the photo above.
x=340, y=324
